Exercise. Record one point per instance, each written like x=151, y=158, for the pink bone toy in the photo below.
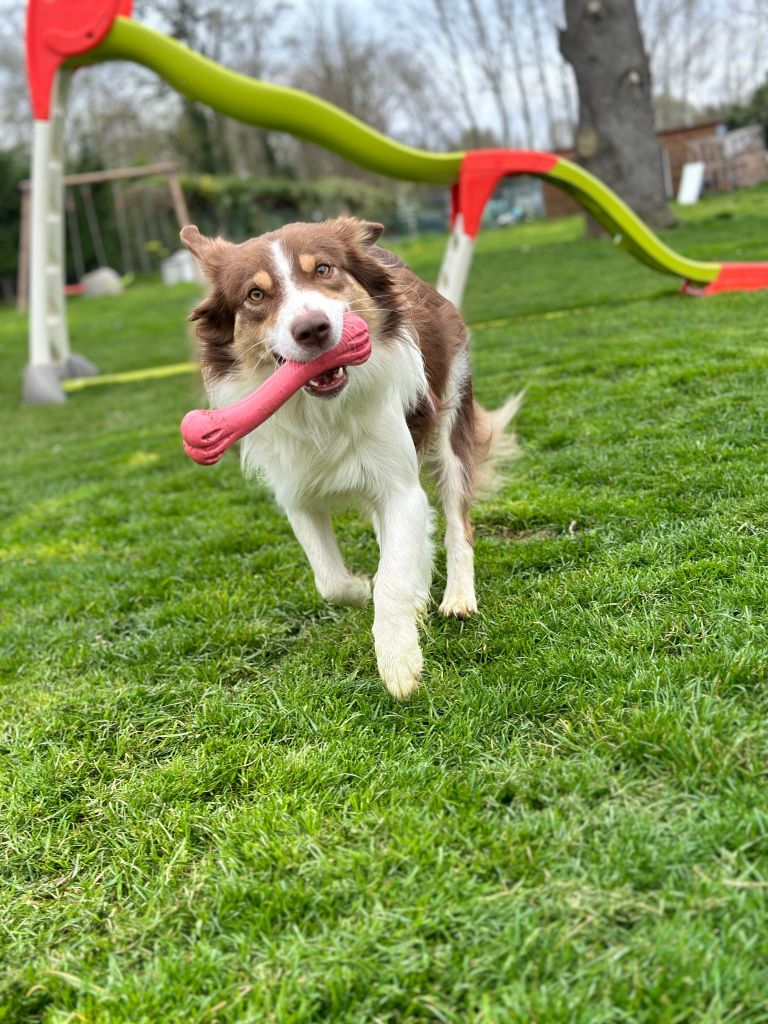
x=208, y=433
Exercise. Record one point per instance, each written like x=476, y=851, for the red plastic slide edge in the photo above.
x=733, y=277
x=58, y=29
x=480, y=172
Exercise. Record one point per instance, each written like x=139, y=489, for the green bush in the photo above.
x=242, y=207
x=755, y=111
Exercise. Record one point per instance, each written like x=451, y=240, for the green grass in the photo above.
x=211, y=811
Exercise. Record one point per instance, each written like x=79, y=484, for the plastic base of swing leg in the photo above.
x=78, y=366
x=42, y=385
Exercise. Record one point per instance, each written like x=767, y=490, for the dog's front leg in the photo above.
x=401, y=588
x=335, y=582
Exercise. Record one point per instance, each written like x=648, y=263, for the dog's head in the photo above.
x=283, y=295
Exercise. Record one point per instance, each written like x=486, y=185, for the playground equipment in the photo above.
x=65, y=34
x=208, y=433
x=116, y=177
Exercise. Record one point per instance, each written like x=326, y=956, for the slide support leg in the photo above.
x=50, y=357
x=457, y=260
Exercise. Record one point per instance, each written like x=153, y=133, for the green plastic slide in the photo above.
x=270, y=106
x=630, y=232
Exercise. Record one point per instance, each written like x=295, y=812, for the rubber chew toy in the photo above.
x=208, y=433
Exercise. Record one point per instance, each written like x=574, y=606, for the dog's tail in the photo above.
x=494, y=444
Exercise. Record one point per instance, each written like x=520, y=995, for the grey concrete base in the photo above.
x=42, y=385
x=79, y=366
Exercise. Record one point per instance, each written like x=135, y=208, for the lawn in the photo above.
x=210, y=809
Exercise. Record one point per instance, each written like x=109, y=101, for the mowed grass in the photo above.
x=210, y=809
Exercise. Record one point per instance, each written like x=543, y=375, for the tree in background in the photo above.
x=13, y=169
x=492, y=67
x=237, y=34
x=366, y=71
x=15, y=123
x=704, y=56
x=754, y=111
x=616, y=139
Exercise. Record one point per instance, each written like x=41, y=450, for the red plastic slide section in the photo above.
x=481, y=171
x=733, y=277
x=58, y=29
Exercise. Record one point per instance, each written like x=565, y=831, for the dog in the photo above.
x=356, y=435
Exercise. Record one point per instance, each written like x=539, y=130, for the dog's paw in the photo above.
x=401, y=677
x=399, y=659
x=354, y=591
x=459, y=603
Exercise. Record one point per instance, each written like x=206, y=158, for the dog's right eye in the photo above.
x=255, y=294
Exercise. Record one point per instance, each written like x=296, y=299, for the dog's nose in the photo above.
x=311, y=329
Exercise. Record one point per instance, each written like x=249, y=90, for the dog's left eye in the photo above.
x=323, y=269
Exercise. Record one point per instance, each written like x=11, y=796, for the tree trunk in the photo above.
x=615, y=139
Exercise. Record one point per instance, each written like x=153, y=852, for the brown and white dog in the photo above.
x=354, y=436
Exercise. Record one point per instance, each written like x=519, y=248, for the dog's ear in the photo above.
x=364, y=233
x=215, y=329
x=370, y=266
x=209, y=252
x=370, y=232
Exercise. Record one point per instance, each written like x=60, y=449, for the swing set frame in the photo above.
x=84, y=180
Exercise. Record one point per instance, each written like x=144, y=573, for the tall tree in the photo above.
x=237, y=34
x=445, y=29
x=15, y=126
x=615, y=139
x=357, y=66
x=533, y=12
x=511, y=41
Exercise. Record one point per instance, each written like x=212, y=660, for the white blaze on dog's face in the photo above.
x=284, y=295
x=308, y=321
